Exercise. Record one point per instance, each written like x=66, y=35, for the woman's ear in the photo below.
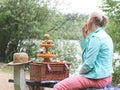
x=92, y=20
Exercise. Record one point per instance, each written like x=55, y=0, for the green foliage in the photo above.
x=19, y=20
x=116, y=74
x=112, y=9
x=68, y=26
x=29, y=46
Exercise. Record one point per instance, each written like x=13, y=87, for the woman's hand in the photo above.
x=85, y=31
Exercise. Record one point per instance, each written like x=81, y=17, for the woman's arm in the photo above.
x=90, y=55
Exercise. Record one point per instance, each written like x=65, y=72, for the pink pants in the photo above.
x=81, y=82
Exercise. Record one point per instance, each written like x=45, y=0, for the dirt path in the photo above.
x=4, y=84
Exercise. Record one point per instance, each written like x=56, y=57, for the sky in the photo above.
x=78, y=6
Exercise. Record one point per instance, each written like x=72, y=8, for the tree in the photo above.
x=68, y=26
x=20, y=20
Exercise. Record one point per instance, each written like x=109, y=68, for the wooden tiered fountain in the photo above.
x=46, y=55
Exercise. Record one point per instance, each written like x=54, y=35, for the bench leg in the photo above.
x=39, y=88
x=19, y=78
x=33, y=87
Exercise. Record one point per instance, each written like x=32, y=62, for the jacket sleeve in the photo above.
x=83, y=44
x=90, y=55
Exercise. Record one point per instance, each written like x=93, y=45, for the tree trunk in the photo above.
x=11, y=49
x=3, y=45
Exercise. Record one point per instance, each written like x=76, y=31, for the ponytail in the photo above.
x=101, y=23
x=104, y=21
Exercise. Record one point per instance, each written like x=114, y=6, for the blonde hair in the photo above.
x=100, y=18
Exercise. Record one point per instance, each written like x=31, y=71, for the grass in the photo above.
x=4, y=68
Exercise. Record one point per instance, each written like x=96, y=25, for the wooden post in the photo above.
x=19, y=78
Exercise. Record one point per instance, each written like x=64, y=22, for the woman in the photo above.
x=96, y=70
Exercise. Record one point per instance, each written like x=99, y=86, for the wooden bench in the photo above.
x=37, y=85
x=21, y=83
